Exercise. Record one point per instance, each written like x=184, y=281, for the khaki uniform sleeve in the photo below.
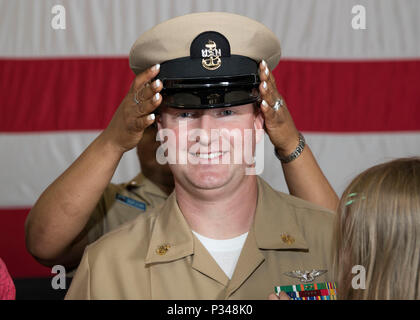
x=80, y=286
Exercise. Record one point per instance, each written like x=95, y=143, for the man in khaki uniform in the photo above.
x=176, y=251
x=157, y=257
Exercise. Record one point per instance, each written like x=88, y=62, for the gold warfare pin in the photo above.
x=305, y=275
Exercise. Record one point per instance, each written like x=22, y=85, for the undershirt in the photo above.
x=225, y=252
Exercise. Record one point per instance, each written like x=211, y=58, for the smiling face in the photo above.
x=217, y=144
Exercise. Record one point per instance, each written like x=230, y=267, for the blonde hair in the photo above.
x=378, y=227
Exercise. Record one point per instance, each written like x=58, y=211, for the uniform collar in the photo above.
x=274, y=220
x=171, y=229
x=275, y=223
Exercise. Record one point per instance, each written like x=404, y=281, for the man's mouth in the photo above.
x=211, y=155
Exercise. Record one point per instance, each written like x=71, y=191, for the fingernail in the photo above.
x=266, y=71
x=151, y=117
x=264, y=84
x=264, y=104
x=264, y=64
x=157, y=83
x=156, y=67
x=156, y=97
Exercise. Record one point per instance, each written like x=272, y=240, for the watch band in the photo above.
x=294, y=154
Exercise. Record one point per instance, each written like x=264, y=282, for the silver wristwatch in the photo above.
x=294, y=154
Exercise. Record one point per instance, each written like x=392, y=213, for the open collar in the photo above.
x=274, y=227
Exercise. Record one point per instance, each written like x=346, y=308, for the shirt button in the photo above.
x=288, y=239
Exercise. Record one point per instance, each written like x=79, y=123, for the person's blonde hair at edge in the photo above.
x=378, y=227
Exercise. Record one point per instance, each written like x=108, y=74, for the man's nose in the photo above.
x=207, y=125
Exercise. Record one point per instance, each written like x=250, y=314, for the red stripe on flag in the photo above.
x=352, y=96
x=12, y=246
x=328, y=96
x=61, y=94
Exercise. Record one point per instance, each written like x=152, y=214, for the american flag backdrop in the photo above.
x=355, y=94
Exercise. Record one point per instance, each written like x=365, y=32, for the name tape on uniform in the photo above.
x=131, y=202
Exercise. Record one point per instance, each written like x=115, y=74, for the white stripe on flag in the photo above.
x=32, y=161
x=342, y=156
x=319, y=29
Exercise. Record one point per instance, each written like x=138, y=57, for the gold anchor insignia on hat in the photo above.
x=162, y=249
x=305, y=276
x=288, y=239
x=211, y=56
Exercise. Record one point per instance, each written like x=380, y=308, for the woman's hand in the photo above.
x=135, y=112
x=279, y=124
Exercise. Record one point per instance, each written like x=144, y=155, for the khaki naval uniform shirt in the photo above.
x=122, y=203
x=156, y=256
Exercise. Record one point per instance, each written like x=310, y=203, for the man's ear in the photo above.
x=259, y=126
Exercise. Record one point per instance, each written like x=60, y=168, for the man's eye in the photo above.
x=226, y=113
x=186, y=115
